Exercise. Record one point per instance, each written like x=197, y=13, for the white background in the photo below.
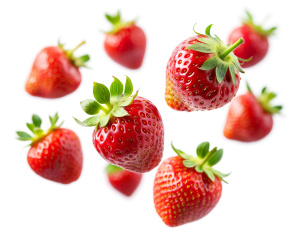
x=262, y=199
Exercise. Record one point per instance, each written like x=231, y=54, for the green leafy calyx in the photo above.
x=117, y=23
x=222, y=58
x=111, y=169
x=204, y=161
x=265, y=99
x=76, y=61
x=108, y=103
x=35, y=128
x=258, y=28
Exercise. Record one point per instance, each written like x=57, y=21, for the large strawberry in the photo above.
x=202, y=73
x=122, y=180
x=256, y=41
x=250, y=118
x=55, y=72
x=54, y=154
x=125, y=43
x=186, y=188
x=129, y=131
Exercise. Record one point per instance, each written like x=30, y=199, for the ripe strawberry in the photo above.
x=129, y=131
x=55, y=73
x=202, y=73
x=250, y=118
x=256, y=41
x=124, y=181
x=187, y=188
x=125, y=43
x=55, y=154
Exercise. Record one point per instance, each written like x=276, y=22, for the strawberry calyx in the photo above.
x=108, y=103
x=117, y=23
x=35, y=128
x=258, y=28
x=111, y=169
x=204, y=161
x=222, y=56
x=265, y=99
x=76, y=61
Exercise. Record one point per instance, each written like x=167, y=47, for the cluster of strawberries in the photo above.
x=203, y=73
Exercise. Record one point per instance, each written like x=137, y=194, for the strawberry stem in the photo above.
x=74, y=49
x=224, y=54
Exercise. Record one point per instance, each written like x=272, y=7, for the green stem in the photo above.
x=224, y=54
x=108, y=108
x=74, y=49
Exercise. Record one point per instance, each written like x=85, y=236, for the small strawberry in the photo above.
x=129, y=131
x=55, y=72
x=250, y=118
x=187, y=188
x=55, y=154
x=122, y=180
x=125, y=43
x=202, y=73
x=256, y=41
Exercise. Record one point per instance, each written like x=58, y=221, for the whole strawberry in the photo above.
x=55, y=72
x=202, y=73
x=256, y=41
x=187, y=188
x=250, y=118
x=125, y=43
x=122, y=180
x=54, y=154
x=129, y=131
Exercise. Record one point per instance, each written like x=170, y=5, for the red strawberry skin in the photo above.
x=182, y=195
x=247, y=121
x=127, y=46
x=57, y=156
x=134, y=142
x=191, y=89
x=52, y=75
x=255, y=45
x=125, y=181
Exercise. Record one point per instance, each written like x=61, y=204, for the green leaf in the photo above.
x=116, y=89
x=237, y=65
x=101, y=93
x=207, y=31
x=201, y=47
x=206, y=40
x=110, y=169
x=215, y=157
x=210, y=63
x=189, y=163
x=23, y=136
x=180, y=153
x=221, y=71
x=37, y=121
x=31, y=127
x=248, y=87
x=113, y=19
x=120, y=112
x=209, y=173
x=90, y=106
x=263, y=90
x=220, y=175
x=199, y=168
x=129, y=100
x=232, y=73
x=202, y=149
x=128, y=88
x=84, y=58
x=104, y=120
x=53, y=120
x=92, y=121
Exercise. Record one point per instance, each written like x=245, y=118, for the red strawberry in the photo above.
x=125, y=43
x=129, y=130
x=55, y=154
x=250, y=118
x=256, y=41
x=202, y=73
x=187, y=188
x=55, y=73
x=124, y=181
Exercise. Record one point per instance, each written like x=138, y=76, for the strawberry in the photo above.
x=250, y=118
x=122, y=180
x=256, y=41
x=202, y=73
x=55, y=72
x=187, y=188
x=125, y=43
x=54, y=154
x=129, y=131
